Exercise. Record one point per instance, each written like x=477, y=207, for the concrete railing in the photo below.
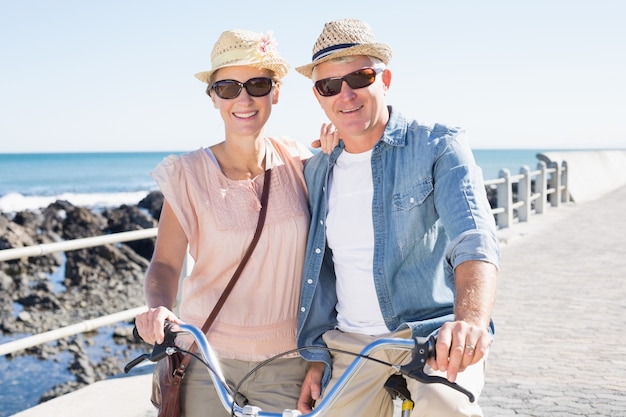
x=560, y=177
x=82, y=327
x=68, y=245
x=529, y=192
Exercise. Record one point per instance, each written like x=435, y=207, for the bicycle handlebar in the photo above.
x=422, y=350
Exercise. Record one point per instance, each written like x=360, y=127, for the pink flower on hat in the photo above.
x=267, y=45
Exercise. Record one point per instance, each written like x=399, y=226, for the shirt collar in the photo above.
x=395, y=131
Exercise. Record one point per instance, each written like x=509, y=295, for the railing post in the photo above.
x=541, y=185
x=555, y=184
x=524, y=194
x=505, y=200
x=564, y=183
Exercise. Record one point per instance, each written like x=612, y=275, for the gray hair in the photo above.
x=375, y=62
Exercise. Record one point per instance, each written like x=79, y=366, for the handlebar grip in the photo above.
x=136, y=334
x=170, y=334
x=423, y=350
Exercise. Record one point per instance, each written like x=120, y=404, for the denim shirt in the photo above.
x=430, y=213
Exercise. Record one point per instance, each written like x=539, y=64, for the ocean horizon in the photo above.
x=95, y=179
x=30, y=181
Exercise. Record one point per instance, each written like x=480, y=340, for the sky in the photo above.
x=117, y=75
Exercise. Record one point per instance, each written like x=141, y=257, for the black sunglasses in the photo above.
x=255, y=87
x=358, y=79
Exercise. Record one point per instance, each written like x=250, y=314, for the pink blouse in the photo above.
x=219, y=216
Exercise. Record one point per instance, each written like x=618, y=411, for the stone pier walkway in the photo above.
x=560, y=315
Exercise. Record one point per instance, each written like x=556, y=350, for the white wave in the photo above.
x=14, y=202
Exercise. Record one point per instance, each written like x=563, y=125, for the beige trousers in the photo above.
x=365, y=395
x=274, y=387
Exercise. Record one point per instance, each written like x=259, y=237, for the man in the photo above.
x=402, y=240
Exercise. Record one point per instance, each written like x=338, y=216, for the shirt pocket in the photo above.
x=413, y=214
x=412, y=197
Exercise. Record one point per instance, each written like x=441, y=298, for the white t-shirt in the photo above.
x=350, y=234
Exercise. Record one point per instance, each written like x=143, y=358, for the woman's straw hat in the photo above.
x=346, y=37
x=243, y=47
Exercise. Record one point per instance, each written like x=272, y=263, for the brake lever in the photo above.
x=424, y=349
x=159, y=350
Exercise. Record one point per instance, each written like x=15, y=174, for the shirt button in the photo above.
x=321, y=221
x=318, y=251
x=302, y=309
x=309, y=281
x=412, y=200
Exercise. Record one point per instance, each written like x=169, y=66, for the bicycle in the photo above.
x=422, y=350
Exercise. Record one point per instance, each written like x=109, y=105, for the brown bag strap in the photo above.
x=218, y=306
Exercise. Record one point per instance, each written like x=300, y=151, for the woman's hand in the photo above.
x=150, y=325
x=329, y=138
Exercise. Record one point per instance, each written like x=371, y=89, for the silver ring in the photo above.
x=469, y=347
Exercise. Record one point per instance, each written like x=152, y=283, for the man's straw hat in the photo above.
x=346, y=37
x=243, y=47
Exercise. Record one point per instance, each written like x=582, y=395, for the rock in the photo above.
x=153, y=202
x=24, y=316
x=127, y=218
x=14, y=235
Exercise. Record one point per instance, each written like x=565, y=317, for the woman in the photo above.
x=211, y=207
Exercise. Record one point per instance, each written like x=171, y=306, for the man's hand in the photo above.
x=466, y=340
x=459, y=345
x=311, y=387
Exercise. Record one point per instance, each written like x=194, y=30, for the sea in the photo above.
x=34, y=180
x=31, y=181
